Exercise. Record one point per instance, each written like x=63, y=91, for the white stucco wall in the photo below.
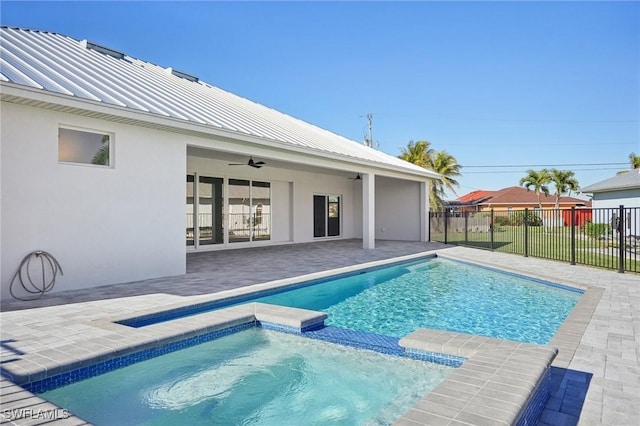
x=627, y=198
x=613, y=200
x=104, y=225
x=123, y=223
x=305, y=187
x=398, y=204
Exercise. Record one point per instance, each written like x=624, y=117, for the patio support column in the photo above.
x=424, y=211
x=368, y=211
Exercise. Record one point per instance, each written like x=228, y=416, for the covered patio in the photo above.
x=213, y=271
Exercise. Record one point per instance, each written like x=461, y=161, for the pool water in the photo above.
x=255, y=377
x=439, y=294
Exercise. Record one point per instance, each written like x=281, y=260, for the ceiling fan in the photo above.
x=256, y=164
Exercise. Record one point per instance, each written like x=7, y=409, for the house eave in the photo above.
x=243, y=143
x=613, y=189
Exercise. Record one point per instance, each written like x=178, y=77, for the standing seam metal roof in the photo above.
x=622, y=181
x=61, y=64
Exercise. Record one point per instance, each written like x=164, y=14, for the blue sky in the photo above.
x=493, y=83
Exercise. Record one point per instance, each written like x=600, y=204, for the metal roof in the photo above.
x=626, y=180
x=65, y=66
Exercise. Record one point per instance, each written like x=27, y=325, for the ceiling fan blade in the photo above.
x=256, y=164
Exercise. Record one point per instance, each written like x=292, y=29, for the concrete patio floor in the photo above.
x=597, y=378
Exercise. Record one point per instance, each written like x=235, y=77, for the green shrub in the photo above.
x=502, y=220
x=517, y=219
x=595, y=230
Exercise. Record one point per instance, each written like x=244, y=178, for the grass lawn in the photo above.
x=547, y=243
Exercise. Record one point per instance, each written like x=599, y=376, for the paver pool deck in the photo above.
x=597, y=370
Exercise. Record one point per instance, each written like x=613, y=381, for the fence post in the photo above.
x=445, y=226
x=491, y=227
x=573, y=235
x=526, y=232
x=621, y=239
x=466, y=228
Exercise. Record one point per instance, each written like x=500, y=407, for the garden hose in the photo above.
x=24, y=278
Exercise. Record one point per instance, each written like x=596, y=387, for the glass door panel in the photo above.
x=261, y=206
x=239, y=211
x=333, y=221
x=191, y=208
x=210, y=210
x=319, y=216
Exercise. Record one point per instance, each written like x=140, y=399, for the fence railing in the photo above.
x=601, y=237
x=242, y=226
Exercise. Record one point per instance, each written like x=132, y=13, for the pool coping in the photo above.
x=450, y=404
x=494, y=386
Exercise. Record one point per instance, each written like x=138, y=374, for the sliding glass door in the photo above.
x=248, y=212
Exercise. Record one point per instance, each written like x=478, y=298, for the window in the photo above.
x=83, y=147
x=326, y=216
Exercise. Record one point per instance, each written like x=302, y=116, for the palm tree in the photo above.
x=421, y=154
x=418, y=153
x=101, y=157
x=538, y=180
x=565, y=182
x=635, y=163
x=447, y=167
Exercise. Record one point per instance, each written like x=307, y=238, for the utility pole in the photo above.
x=368, y=140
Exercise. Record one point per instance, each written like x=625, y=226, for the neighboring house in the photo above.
x=119, y=168
x=620, y=190
x=511, y=198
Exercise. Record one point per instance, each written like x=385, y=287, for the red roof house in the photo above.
x=513, y=197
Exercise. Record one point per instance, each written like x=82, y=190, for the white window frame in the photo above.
x=111, y=135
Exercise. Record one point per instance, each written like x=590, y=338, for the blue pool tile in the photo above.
x=63, y=379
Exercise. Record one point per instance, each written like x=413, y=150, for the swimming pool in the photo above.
x=255, y=377
x=439, y=294
x=428, y=293
x=252, y=315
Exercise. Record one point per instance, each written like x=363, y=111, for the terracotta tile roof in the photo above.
x=516, y=195
x=476, y=196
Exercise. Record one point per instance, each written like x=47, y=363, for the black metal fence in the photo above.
x=601, y=237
